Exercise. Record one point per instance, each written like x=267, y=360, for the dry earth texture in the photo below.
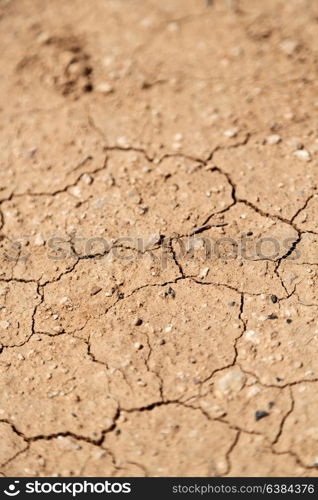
x=159, y=238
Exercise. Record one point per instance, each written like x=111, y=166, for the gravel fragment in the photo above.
x=231, y=132
x=272, y=316
x=204, y=272
x=230, y=383
x=171, y=292
x=289, y=46
x=39, y=240
x=88, y=179
x=273, y=139
x=104, y=88
x=295, y=143
x=302, y=154
x=259, y=414
x=138, y=346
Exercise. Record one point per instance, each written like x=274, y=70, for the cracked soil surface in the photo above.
x=159, y=238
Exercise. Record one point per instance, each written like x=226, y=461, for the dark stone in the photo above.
x=259, y=414
x=272, y=316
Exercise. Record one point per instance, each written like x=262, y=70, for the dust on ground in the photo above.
x=159, y=252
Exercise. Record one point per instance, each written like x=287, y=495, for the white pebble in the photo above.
x=204, y=272
x=273, y=139
x=75, y=191
x=230, y=383
x=289, y=46
x=88, y=179
x=104, y=88
x=302, y=154
x=178, y=137
x=294, y=143
x=252, y=335
x=122, y=142
x=231, y=132
x=63, y=300
x=39, y=240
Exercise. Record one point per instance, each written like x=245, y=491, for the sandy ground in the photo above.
x=159, y=251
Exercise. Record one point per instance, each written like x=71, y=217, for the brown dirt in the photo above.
x=140, y=142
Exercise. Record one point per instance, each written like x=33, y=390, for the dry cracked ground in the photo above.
x=159, y=238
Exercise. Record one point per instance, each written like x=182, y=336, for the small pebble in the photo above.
x=288, y=320
x=302, y=154
x=274, y=299
x=138, y=346
x=88, y=179
x=272, y=316
x=298, y=364
x=104, y=88
x=231, y=132
x=75, y=191
x=43, y=38
x=289, y=46
x=171, y=292
x=259, y=414
x=63, y=300
x=39, y=240
x=204, y=272
x=53, y=394
x=95, y=290
x=230, y=383
x=273, y=139
x=75, y=69
x=178, y=137
x=138, y=322
x=294, y=143
x=122, y=142
x=143, y=210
